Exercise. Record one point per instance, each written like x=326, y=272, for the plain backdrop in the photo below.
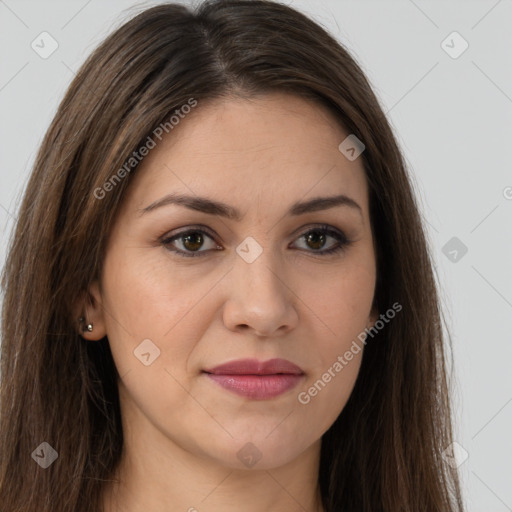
x=451, y=108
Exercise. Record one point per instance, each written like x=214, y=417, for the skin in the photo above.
x=182, y=431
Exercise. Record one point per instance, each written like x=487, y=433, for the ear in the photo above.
x=90, y=307
x=374, y=316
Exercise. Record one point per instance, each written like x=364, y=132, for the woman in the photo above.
x=219, y=295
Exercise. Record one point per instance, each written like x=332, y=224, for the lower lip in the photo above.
x=257, y=387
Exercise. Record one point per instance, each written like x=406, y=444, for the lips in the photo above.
x=255, y=367
x=259, y=380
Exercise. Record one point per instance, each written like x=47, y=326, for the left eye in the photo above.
x=317, y=237
x=189, y=242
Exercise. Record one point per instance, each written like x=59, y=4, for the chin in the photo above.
x=262, y=452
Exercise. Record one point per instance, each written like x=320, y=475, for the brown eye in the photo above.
x=316, y=238
x=193, y=242
x=188, y=243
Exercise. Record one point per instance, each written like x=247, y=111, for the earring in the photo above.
x=88, y=327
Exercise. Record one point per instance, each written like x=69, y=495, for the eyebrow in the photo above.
x=213, y=207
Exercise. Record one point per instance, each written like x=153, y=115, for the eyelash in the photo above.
x=342, y=240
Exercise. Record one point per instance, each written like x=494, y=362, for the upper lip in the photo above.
x=255, y=367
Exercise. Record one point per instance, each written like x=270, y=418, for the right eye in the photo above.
x=189, y=242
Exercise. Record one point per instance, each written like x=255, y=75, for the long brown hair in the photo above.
x=384, y=451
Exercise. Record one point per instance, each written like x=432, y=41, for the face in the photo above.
x=261, y=274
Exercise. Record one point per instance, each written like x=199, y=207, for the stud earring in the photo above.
x=88, y=327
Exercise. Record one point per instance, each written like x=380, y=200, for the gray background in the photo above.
x=453, y=119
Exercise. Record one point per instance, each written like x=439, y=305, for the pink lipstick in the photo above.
x=258, y=380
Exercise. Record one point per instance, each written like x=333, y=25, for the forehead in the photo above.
x=276, y=149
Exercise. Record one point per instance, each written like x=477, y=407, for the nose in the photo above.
x=261, y=298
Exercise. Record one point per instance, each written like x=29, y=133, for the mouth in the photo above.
x=257, y=380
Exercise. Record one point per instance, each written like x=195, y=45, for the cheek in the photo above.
x=149, y=300
x=147, y=293
x=325, y=395
x=340, y=300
